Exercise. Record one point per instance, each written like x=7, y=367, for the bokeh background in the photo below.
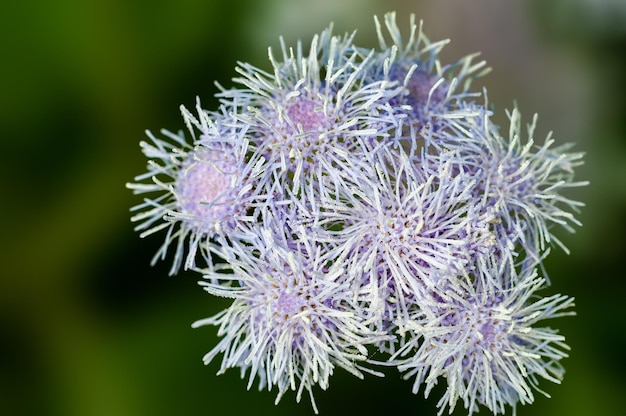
x=88, y=328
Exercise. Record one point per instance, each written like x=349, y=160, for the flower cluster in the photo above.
x=361, y=209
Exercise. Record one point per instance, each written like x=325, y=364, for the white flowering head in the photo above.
x=201, y=186
x=432, y=92
x=524, y=185
x=401, y=228
x=359, y=201
x=485, y=341
x=314, y=117
x=292, y=320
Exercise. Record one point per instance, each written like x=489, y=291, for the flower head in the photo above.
x=524, y=184
x=358, y=201
x=292, y=320
x=202, y=185
x=484, y=340
x=432, y=92
x=314, y=118
x=401, y=228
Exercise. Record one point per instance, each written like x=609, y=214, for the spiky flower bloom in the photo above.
x=314, y=118
x=404, y=227
x=292, y=320
x=484, y=340
x=432, y=92
x=361, y=201
x=524, y=184
x=203, y=186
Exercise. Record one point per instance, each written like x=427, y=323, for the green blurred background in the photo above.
x=89, y=328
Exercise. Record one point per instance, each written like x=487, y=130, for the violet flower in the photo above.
x=356, y=201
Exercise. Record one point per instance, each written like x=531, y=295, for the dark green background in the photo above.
x=88, y=328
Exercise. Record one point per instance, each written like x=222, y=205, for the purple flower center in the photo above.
x=419, y=88
x=203, y=185
x=487, y=328
x=506, y=179
x=289, y=303
x=305, y=112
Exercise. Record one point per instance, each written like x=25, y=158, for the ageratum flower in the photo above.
x=292, y=320
x=201, y=186
x=432, y=92
x=485, y=340
x=401, y=228
x=524, y=184
x=360, y=201
x=314, y=116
